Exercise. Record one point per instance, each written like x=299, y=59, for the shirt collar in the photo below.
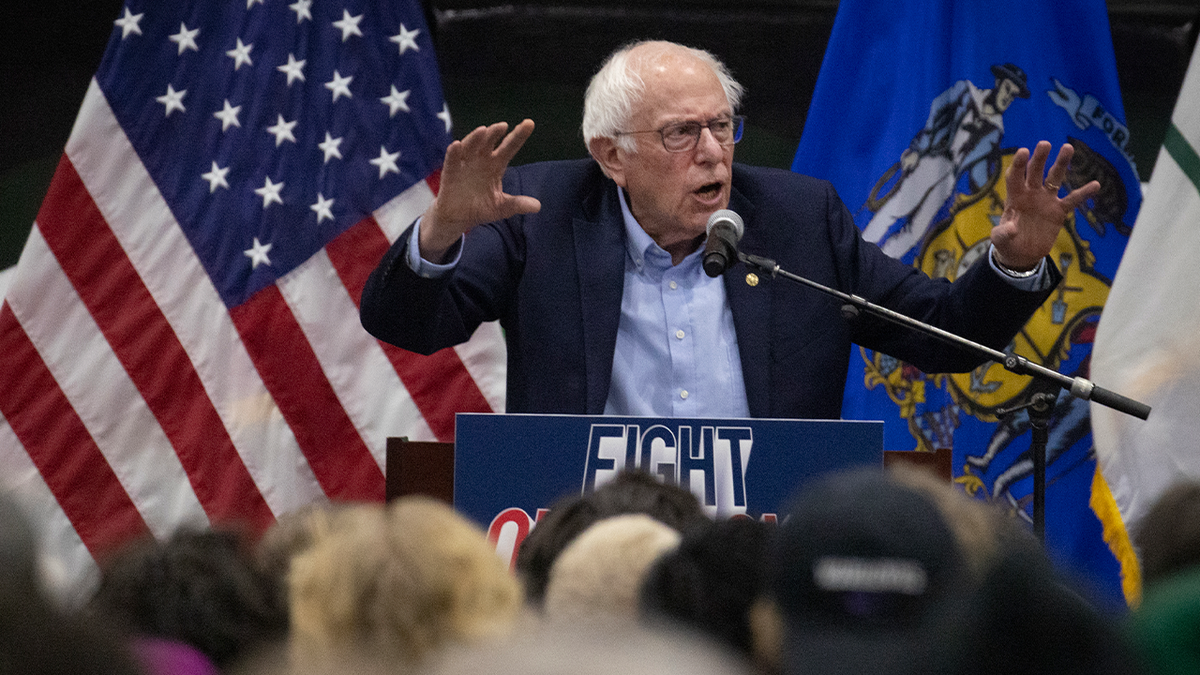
x=639, y=244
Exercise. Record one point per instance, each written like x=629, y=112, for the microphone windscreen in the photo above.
x=731, y=218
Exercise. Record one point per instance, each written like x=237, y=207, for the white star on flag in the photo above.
x=445, y=116
x=330, y=147
x=396, y=101
x=386, y=161
x=323, y=208
x=216, y=178
x=129, y=23
x=258, y=254
x=407, y=39
x=303, y=10
x=240, y=54
x=270, y=192
x=340, y=86
x=348, y=25
x=282, y=131
x=293, y=68
x=173, y=100
x=228, y=116
x=186, y=39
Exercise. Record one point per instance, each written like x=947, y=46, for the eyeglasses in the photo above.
x=683, y=136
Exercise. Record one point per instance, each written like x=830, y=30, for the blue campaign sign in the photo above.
x=510, y=468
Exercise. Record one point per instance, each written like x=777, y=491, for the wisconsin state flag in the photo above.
x=918, y=110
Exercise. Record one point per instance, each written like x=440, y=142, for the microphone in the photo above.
x=724, y=230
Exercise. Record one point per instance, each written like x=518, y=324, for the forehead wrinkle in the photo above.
x=664, y=102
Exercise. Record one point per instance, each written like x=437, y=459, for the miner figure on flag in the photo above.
x=961, y=136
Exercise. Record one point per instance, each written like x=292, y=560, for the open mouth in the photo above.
x=709, y=191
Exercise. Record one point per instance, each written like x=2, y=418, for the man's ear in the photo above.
x=605, y=151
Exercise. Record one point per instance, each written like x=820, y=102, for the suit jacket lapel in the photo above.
x=600, y=260
x=751, y=307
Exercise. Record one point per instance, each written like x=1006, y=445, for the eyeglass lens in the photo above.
x=684, y=136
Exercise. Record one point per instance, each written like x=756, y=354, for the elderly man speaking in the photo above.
x=593, y=267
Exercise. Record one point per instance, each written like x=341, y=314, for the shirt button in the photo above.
x=673, y=285
x=683, y=394
x=679, y=333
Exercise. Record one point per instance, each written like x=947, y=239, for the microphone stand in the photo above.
x=1041, y=403
x=1039, y=408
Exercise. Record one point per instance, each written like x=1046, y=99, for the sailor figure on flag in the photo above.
x=961, y=136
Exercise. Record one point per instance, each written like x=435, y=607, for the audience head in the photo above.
x=398, y=582
x=599, y=576
x=1023, y=617
x=1168, y=536
x=862, y=570
x=36, y=635
x=629, y=492
x=290, y=535
x=18, y=545
x=200, y=588
x=1165, y=627
x=896, y=573
x=713, y=581
x=980, y=530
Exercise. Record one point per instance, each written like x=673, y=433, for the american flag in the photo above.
x=180, y=342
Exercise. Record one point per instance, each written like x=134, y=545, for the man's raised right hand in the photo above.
x=471, y=191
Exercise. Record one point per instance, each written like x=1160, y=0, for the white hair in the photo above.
x=608, y=103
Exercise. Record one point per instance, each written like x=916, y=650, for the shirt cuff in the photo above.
x=1035, y=280
x=423, y=267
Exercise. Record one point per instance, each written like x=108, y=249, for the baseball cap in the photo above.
x=865, y=572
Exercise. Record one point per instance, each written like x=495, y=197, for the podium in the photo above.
x=419, y=468
x=505, y=470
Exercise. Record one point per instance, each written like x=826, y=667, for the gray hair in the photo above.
x=608, y=103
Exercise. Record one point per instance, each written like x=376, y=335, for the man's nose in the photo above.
x=707, y=145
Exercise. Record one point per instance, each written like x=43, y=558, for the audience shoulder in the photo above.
x=628, y=649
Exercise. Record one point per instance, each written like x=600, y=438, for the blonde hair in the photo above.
x=976, y=526
x=600, y=574
x=400, y=582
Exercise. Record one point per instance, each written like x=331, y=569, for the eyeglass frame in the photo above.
x=738, y=125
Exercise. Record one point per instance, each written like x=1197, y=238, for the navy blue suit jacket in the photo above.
x=554, y=280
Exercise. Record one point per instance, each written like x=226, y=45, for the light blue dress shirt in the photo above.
x=677, y=353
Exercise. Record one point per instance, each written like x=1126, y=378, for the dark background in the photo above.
x=508, y=62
